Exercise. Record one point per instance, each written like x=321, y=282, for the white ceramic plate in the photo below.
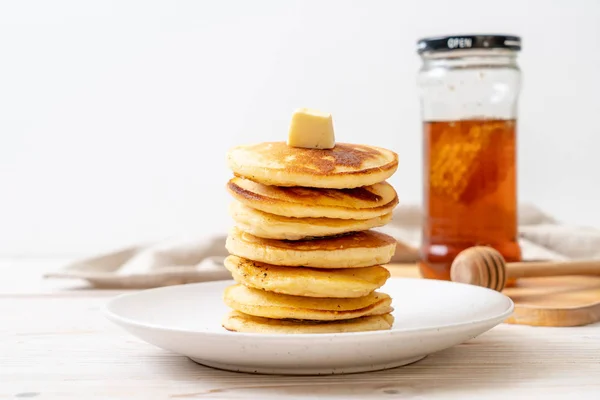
x=430, y=316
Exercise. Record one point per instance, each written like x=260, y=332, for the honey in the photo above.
x=470, y=191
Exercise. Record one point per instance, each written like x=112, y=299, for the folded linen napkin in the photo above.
x=198, y=259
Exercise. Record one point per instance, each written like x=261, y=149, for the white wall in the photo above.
x=115, y=116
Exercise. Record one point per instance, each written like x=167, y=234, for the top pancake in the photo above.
x=343, y=167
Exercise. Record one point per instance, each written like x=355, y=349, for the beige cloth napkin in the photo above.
x=198, y=259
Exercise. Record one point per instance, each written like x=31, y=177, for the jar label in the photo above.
x=460, y=43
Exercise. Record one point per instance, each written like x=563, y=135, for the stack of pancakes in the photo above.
x=303, y=252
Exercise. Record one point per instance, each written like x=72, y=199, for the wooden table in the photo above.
x=55, y=344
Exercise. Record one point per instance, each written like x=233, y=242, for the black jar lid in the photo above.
x=468, y=42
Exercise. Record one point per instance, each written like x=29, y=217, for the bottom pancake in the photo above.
x=239, y=322
x=260, y=303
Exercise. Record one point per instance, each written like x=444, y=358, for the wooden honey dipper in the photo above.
x=485, y=266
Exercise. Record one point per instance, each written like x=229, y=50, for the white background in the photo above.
x=115, y=117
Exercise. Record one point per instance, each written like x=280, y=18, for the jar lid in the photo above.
x=466, y=42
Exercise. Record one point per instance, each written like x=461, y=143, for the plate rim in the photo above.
x=115, y=318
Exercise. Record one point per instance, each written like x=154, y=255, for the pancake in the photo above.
x=353, y=250
x=240, y=322
x=260, y=303
x=308, y=282
x=301, y=202
x=345, y=166
x=272, y=226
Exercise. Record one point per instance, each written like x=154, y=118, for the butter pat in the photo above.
x=311, y=129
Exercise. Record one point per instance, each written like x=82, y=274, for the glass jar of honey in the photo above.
x=469, y=88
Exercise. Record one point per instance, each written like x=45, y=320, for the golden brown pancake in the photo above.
x=308, y=282
x=344, y=166
x=271, y=226
x=261, y=303
x=302, y=202
x=353, y=250
x=240, y=322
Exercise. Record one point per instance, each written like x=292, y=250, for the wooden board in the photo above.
x=551, y=301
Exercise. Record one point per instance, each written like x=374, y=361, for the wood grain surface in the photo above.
x=55, y=344
x=544, y=301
